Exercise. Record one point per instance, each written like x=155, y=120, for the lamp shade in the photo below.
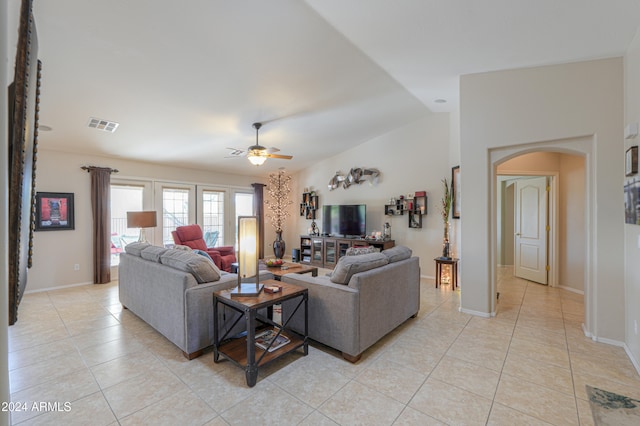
x=247, y=246
x=248, y=243
x=145, y=219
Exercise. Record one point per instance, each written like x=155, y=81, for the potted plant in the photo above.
x=279, y=190
x=445, y=210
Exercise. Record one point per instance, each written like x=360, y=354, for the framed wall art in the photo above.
x=631, y=161
x=455, y=187
x=54, y=211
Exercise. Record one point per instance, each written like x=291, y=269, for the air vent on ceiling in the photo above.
x=105, y=125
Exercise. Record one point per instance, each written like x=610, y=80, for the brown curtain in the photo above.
x=258, y=210
x=101, y=212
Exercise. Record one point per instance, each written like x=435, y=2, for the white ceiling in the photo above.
x=186, y=80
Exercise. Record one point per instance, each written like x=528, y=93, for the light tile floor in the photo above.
x=528, y=365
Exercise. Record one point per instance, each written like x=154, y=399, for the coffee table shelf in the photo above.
x=242, y=350
x=236, y=350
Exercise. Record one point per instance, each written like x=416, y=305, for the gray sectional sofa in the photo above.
x=172, y=291
x=363, y=299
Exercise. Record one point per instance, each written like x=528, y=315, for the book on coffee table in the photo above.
x=264, y=339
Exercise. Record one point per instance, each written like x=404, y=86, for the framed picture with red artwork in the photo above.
x=54, y=211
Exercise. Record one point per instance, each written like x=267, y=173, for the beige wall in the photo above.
x=574, y=108
x=632, y=232
x=56, y=253
x=410, y=159
x=570, y=221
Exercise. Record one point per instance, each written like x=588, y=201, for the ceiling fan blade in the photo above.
x=237, y=152
x=272, y=150
x=283, y=157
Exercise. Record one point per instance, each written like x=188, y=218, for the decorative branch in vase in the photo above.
x=279, y=190
x=445, y=210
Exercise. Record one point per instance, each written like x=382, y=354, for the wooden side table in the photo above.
x=453, y=264
x=242, y=351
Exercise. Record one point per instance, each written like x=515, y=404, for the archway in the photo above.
x=581, y=147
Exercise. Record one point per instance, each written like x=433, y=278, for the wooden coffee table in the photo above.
x=292, y=268
x=242, y=350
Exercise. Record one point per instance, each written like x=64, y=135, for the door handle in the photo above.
x=517, y=234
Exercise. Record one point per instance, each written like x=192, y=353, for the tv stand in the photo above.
x=324, y=251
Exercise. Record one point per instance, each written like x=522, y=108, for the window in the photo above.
x=212, y=220
x=243, y=207
x=124, y=198
x=175, y=212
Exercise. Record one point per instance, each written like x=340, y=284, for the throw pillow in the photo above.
x=397, y=253
x=135, y=249
x=202, y=269
x=349, y=265
x=202, y=253
x=181, y=247
x=356, y=251
x=152, y=253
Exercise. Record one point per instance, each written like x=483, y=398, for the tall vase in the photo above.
x=446, y=247
x=279, y=246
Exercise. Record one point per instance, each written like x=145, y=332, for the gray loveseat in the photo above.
x=366, y=297
x=172, y=291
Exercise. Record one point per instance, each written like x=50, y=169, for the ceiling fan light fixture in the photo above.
x=256, y=159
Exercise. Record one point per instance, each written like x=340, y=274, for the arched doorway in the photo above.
x=577, y=148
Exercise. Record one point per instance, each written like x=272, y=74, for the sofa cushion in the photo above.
x=152, y=253
x=356, y=251
x=397, y=253
x=202, y=269
x=349, y=265
x=135, y=249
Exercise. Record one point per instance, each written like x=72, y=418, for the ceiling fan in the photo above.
x=258, y=154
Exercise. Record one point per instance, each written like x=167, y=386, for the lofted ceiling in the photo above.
x=186, y=80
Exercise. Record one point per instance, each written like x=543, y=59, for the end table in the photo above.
x=453, y=264
x=242, y=351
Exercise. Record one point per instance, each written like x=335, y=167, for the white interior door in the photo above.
x=531, y=202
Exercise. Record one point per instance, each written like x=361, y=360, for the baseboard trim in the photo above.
x=612, y=342
x=634, y=361
x=40, y=290
x=477, y=313
x=573, y=290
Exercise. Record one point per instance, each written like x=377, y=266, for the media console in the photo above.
x=324, y=251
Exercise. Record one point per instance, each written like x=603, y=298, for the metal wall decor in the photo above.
x=356, y=175
x=24, y=95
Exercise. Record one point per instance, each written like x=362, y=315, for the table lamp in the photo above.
x=248, y=244
x=142, y=220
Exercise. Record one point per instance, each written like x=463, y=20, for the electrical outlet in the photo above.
x=76, y=267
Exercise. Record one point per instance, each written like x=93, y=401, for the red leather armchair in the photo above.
x=191, y=236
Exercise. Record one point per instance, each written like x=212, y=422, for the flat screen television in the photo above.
x=344, y=220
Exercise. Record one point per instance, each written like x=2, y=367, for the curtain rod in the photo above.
x=89, y=168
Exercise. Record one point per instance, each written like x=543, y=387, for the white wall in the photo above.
x=523, y=110
x=56, y=252
x=412, y=158
x=632, y=232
